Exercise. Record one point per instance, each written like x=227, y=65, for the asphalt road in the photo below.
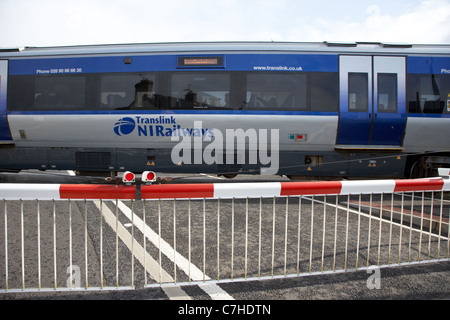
x=406, y=282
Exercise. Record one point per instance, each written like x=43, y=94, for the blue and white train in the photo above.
x=325, y=110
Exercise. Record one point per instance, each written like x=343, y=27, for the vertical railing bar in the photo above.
x=174, y=240
x=379, y=229
x=299, y=232
x=359, y=232
x=39, y=242
x=85, y=244
x=117, y=243
x=132, y=243
x=232, y=238
x=323, y=230
x=70, y=243
x=218, y=239
x=401, y=228
x=390, y=228
x=144, y=240
x=159, y=241
x=5, y=206
x=431, y=225
x=22, y=244
x=259, y=237
x=285, y=234
x=312, y=233
x=335, y=232
x=204, y=239
x=101, y=243
x=246, y=239
x=346, y=233
x=370, y=229
x=411, y=226
x=189, y=240
x=273, y=236
x=421, y=226
x=54, y=245
x=448, y=240
x=440, y=224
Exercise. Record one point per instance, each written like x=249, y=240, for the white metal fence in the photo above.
x=96, y=237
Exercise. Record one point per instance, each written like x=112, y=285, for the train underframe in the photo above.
x=297, y=165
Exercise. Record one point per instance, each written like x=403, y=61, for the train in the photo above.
x=322, y=110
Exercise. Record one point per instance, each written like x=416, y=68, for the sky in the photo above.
x=84, y=22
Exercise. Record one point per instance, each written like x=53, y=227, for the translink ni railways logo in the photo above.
x=124, y=126
x=159, y=126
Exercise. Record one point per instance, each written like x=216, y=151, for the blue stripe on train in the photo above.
x=153, y=63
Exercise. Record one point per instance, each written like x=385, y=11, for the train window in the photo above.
x=387, y=92
x=60, y=93
x=358, y=92
x=305, y=91
x=277, y=91
x=32, y=93
x=309, y=91
x=128, y=91
x=20, y=93
x=428, y=93
x=324, y=91
x=205, y=90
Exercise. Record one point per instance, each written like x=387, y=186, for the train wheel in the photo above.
x=229, y=176
x=420, y=169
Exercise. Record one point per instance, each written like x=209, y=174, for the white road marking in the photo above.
x=215, y=292
x=151, y=265
x=212, y=289
x=212, y=177
x=175, y=293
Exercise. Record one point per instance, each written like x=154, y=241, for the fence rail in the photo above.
x=96, y=237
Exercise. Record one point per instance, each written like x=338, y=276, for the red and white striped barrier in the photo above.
x=13, y=191
x=280, y=189
x=19, y=191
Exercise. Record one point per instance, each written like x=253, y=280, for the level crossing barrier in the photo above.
x=104, y=237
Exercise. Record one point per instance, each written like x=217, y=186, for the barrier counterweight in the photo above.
x=82, y=237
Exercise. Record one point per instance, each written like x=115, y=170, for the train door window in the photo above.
x=387, y=92
x=128, y=91
x=200, y=90
x=358, y=92
x=60, y=93
x=275, y=91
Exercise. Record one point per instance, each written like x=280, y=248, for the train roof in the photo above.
x=224, y=47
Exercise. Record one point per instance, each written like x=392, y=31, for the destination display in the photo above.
x=200, y=61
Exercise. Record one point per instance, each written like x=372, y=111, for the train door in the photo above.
x=372, y=101
x=5, y=136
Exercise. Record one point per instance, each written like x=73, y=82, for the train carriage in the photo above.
x=305, y=110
